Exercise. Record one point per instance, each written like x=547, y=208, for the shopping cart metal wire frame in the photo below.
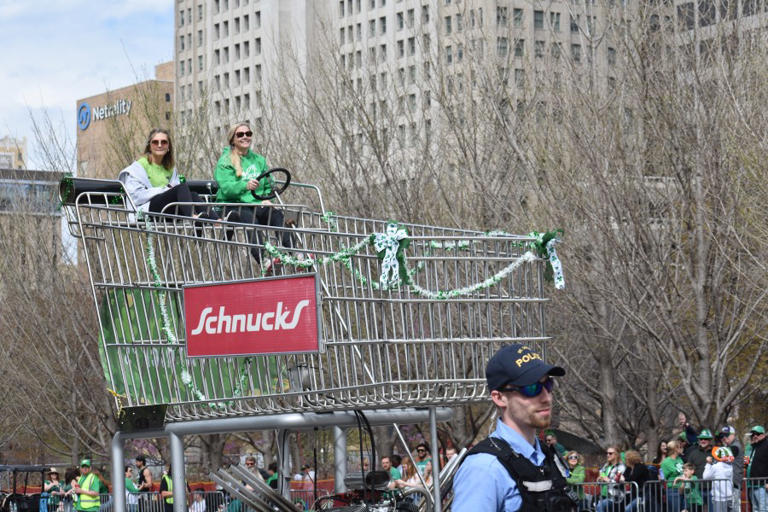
x=409, y=314
x=419, y=345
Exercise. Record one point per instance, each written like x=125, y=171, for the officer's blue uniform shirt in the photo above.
x=482, y=484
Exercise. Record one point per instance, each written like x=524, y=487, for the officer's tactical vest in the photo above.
x=542, y=488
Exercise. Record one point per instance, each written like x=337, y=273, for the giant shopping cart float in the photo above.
x=207, y=327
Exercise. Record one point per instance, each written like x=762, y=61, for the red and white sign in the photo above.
x=268, y=316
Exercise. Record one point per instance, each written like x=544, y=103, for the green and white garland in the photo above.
x=390, y=247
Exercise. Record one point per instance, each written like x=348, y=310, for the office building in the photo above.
x=112, y=126
x=13, y=153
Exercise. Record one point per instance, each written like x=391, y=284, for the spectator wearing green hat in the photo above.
x=698, y=456
x=87, y=488
x=758, y=468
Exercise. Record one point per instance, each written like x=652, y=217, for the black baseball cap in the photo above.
x=518, y=365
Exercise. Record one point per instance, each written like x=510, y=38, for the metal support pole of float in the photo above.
x=435, y=458
x=339, y=458
x=178, y=474
x=283, y=440
x=118, y=473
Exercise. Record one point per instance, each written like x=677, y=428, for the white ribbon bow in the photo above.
x=389, y=242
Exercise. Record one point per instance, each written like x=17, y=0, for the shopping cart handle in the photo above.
x=71, y=187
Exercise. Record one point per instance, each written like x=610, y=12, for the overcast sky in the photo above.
x=56, y=52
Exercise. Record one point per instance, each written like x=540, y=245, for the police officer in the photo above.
x=511, y=470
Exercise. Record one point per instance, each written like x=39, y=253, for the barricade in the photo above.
x=754, y=494
x=605, y=496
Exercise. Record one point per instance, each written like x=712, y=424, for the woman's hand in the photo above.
x=252, y=184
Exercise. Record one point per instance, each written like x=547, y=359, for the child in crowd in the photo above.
x=689, y=487
x=720, y=470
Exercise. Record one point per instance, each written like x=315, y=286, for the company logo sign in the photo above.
x=83, y=116
x=86, y=114
x=269, y=316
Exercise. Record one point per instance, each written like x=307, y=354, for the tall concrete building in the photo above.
x=396, y=56
x=227, y=50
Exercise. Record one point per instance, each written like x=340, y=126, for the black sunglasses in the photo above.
x=159, y=142
x=532, y=390
x=240, y=135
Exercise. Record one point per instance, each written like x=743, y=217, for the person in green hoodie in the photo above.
x=236, y=173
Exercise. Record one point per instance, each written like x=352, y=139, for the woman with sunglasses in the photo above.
x=577, y=472
x=236, y=173
x=152, y=181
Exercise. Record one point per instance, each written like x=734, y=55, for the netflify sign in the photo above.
x=269, y=316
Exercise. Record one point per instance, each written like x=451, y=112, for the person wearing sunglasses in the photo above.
x=578, y=473
x=511, y=469
x=611, y=495
x=236, y=172
x=152, y=181
x=421, y=456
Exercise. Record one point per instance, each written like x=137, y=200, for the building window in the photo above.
x=216, y=57
x=554, y=21
x=611, y=54
x=520, y=48
x=257, y=19
x=576, y=52
x=410, y=18
x=424, y=14
x=237, y=51
x=382, y=25
x=706, y=12
x=448, y=54
x=459, y=22
x=199, y=38
x=400, y=49
x=502, y=47
x=341, y=36
x=257, y=46
x=447, y=24
x=517, y=17
x=685, y=15
x=216, y=31
x=501, y=16
x=575, y=23
x=383, y=53
x=371, y=28
x=246, y=23
x=341, y=9
x=538, y=20
x=411, y=46
x=520, y=77
x=557, y=50
x=539, y=47
x=459, y=52
x=199, y=62
x=246, y=49
x=400, y=21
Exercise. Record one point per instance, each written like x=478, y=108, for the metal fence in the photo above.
x=197, y=501
x=693, y=495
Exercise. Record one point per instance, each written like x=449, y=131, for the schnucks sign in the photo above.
x=268, y=316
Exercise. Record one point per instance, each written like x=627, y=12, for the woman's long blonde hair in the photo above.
x=234, y=157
